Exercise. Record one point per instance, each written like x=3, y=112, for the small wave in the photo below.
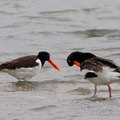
x=59, y=19
x=58, y=82
x=47, y=33
x=7, y=13
x=76, y=49
x=89, y=10
x=47, y=107
x=108, y=49
x=33, y=85
x=23, y=86
x=58, y=12
x=114, y=37
x=109, y=18
x=115, y=54
x=97, y=99
x=80, y=91
x=93, y=32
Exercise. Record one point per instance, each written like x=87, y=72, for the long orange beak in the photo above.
x=53, y=64
x=76, y=63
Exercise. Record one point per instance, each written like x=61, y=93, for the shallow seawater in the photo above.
x=59, y=27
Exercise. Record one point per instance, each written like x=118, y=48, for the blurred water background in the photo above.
x=60, y=27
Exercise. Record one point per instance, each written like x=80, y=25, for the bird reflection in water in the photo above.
x=24, y=85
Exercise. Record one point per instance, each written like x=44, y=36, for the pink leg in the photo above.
x=95, y=90
x=109, y=91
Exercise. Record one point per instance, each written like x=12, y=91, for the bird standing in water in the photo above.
x=99, y=71
x=26, y=67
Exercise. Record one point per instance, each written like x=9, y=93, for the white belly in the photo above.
x=105, y=77
x=23, y=73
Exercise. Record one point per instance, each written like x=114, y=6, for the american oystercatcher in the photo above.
x=97, y=70
x=26, y=67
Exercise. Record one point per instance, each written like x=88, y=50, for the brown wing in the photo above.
x=107, y=62
x=92, y=64
x=27, y=61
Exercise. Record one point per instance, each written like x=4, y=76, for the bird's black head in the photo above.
x=43, y=56
x=79, y=57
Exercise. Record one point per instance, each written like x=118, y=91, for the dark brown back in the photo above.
x=97, y=63
x=92, y=64
x=27, y=61
x=109, y=63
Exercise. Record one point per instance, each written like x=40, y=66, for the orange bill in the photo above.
x=77, y=63
x=53, y=64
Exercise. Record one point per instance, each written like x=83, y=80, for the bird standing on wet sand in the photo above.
x=97, y=70
x=26, y=67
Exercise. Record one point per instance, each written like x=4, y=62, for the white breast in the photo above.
x=105, y=77
x=24, y=73
x=38, y=61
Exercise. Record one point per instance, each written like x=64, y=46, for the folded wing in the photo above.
x=25, y=62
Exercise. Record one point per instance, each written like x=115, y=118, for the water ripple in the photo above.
x=93, y=32
x=47, y=107
x=58, y=12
